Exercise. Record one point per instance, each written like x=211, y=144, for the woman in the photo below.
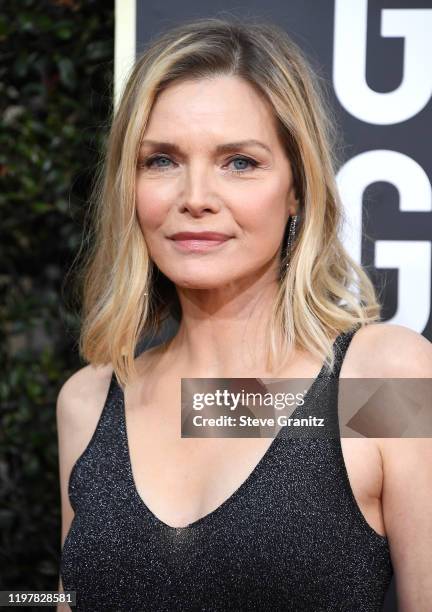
x=218, y=206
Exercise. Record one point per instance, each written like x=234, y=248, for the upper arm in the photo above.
x=407, y=471
x=407, y=509
x=79, y=406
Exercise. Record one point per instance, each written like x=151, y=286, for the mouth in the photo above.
x=198, y=242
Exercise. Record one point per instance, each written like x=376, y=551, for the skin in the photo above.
x=225, y=296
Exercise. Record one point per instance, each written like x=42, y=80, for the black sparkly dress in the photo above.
x=290, y=538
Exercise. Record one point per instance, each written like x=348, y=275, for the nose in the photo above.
x=199, y=196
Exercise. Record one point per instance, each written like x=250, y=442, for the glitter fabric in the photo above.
x=290, y=538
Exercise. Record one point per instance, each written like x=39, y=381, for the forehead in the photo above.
x=221, y=105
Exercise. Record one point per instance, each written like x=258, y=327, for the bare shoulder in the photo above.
x=387, y=350
x=82, y=396
x=384, y=350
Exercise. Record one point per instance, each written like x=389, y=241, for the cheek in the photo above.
x=266, y=210
x=151, y=206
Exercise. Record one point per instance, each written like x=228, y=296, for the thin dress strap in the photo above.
x=340, y=347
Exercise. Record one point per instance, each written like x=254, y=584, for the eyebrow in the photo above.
x=222, y=148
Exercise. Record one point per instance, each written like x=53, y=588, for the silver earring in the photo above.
x=291, y=237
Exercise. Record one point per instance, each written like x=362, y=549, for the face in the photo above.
x=214, y=185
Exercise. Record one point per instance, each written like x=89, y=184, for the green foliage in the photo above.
x=56, y=68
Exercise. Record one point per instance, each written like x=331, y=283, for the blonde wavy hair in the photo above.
x=322, y=291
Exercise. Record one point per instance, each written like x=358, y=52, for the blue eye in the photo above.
x=243, y=160
x=149, y=162
x=160, y=162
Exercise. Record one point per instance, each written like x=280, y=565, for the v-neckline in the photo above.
x=253, y=474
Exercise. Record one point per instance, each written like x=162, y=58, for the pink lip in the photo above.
x=198, y=242
x=197, y=246
x=199, y=236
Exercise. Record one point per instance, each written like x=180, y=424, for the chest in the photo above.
x=182, y=480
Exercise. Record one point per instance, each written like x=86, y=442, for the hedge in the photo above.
x=56, y=82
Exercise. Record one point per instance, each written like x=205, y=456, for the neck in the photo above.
x=223, y=331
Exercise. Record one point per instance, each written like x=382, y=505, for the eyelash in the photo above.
x=147, y=163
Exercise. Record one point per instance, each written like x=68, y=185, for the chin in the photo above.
x=200, y=280
x=197, y=284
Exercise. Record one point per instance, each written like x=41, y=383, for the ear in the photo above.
x=293, y=207
x=293, y=204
